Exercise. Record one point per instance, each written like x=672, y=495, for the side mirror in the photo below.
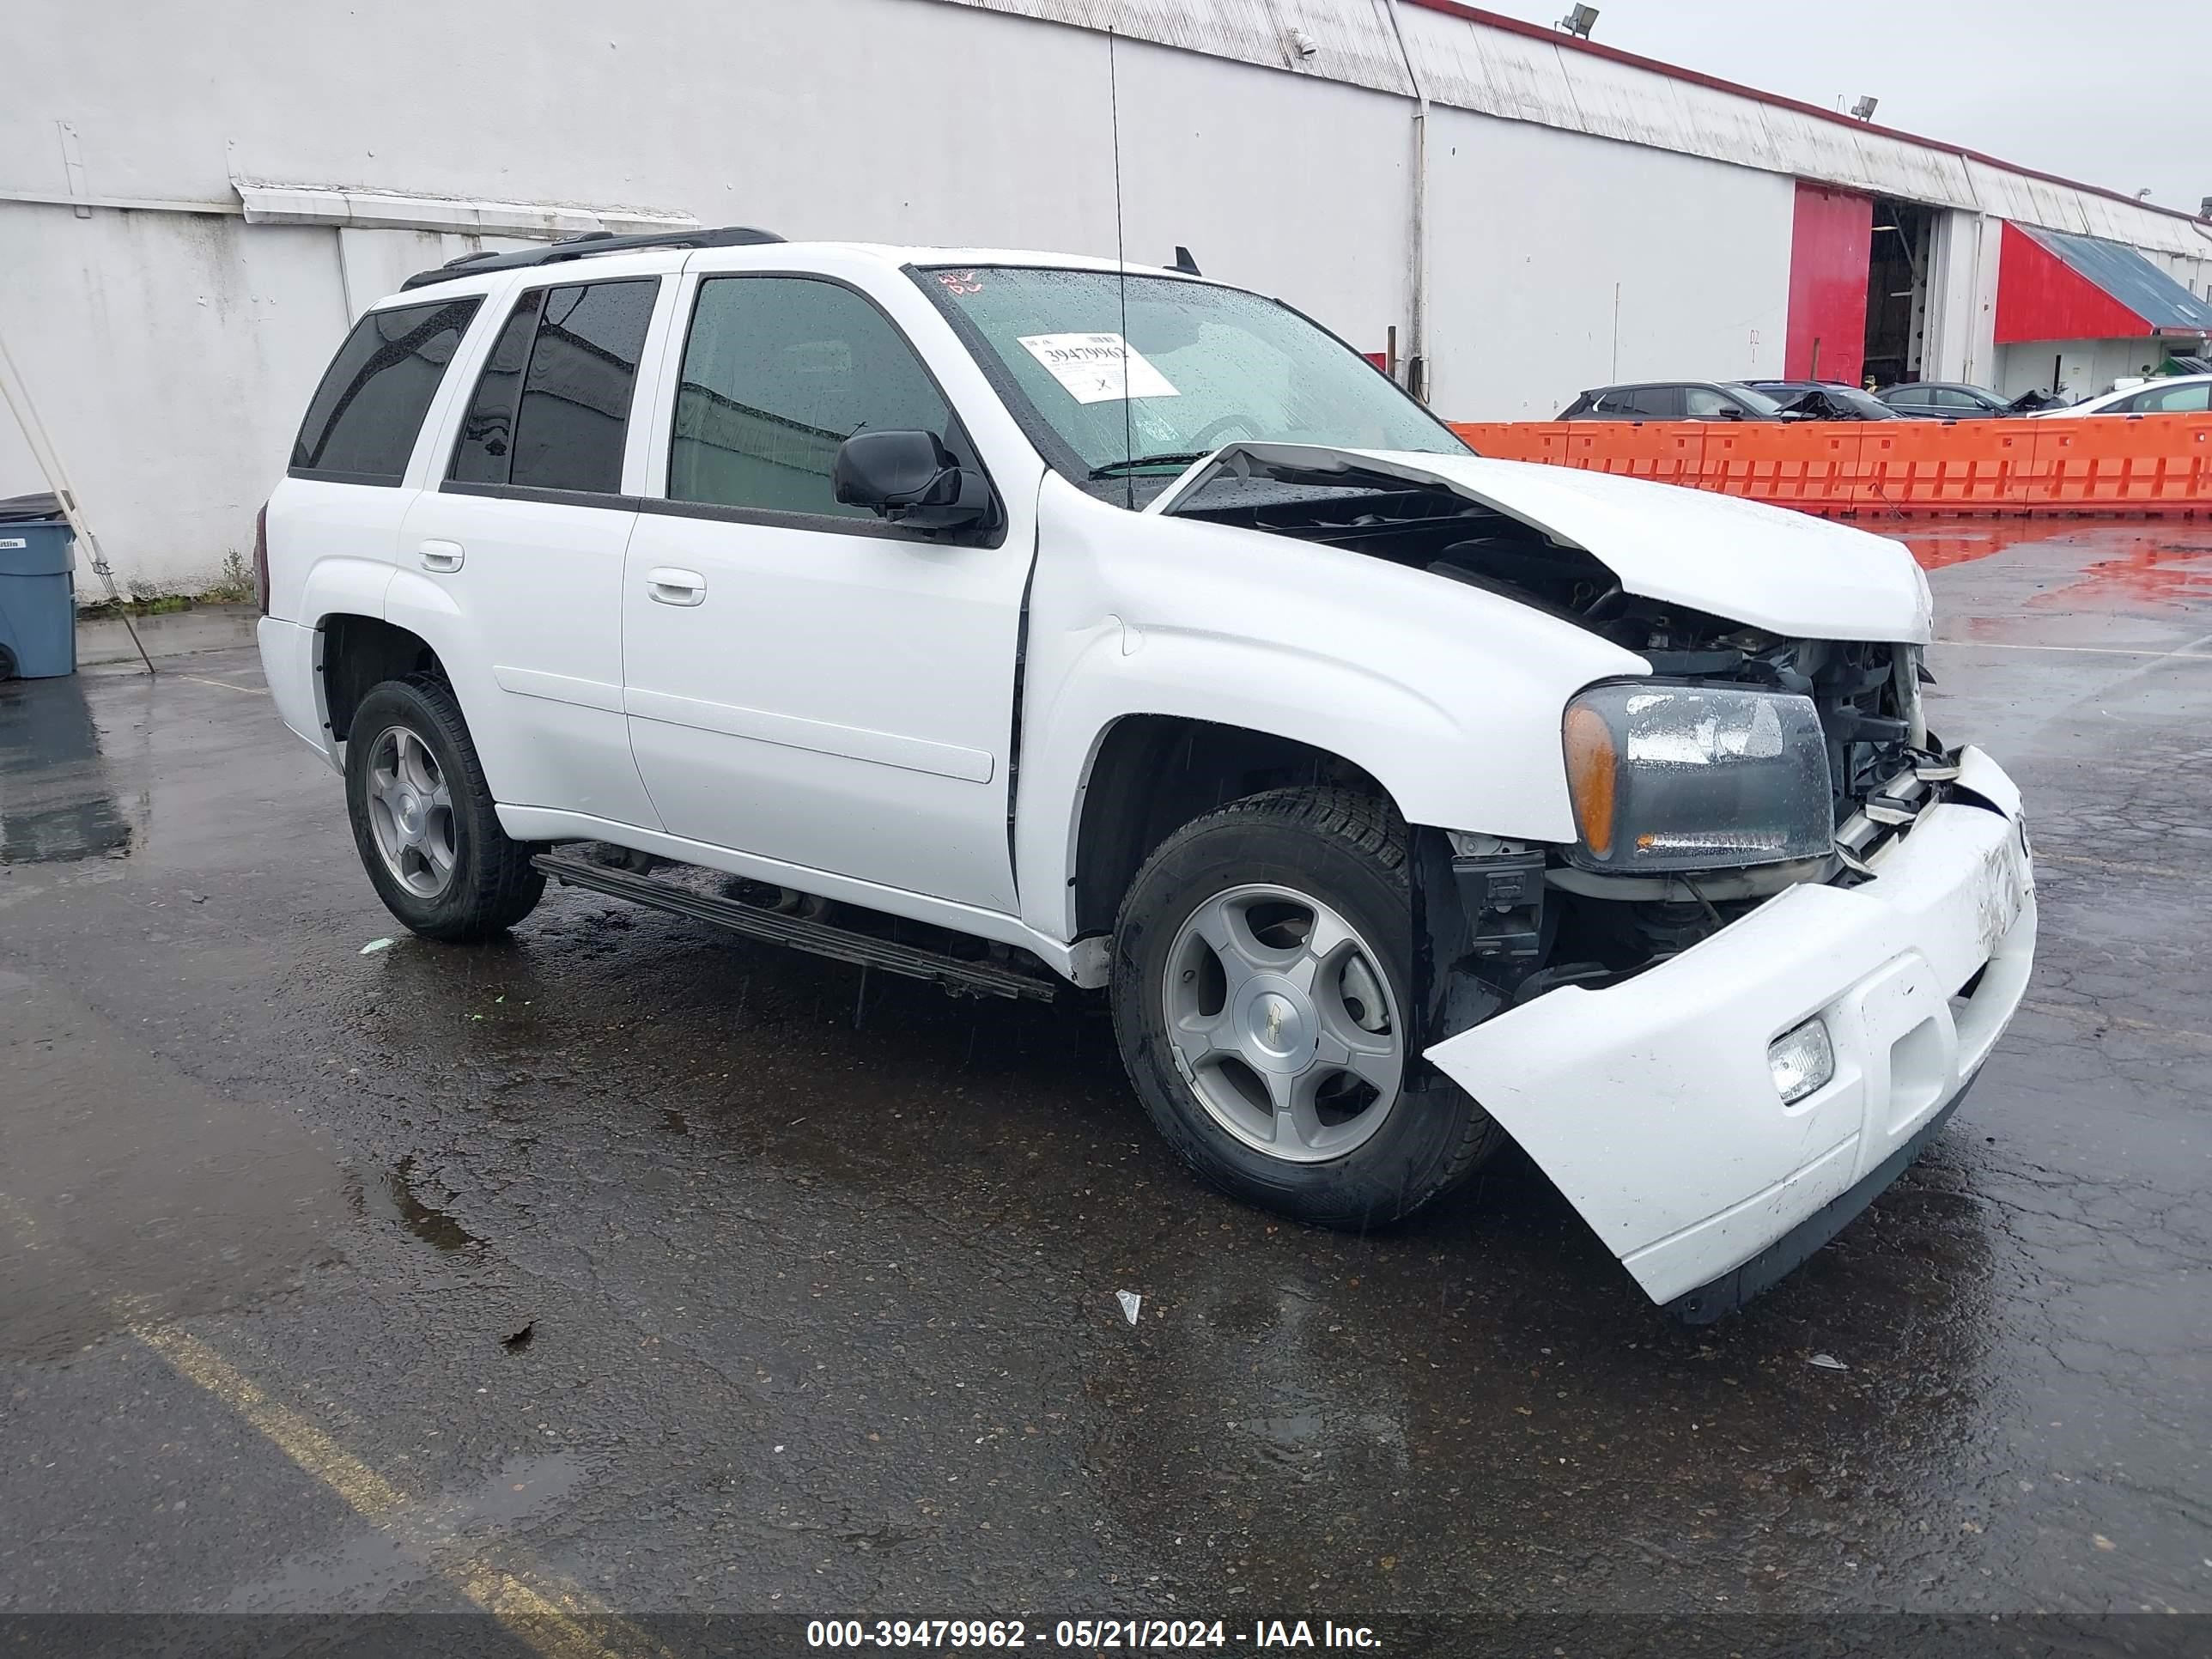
x=910, y=479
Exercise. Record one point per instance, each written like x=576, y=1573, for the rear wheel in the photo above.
x=423, y=820
x=1262, y=985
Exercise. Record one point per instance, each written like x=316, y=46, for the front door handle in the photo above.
x=443, y=556
x=668, y=586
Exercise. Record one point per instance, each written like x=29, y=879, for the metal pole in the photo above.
x=34, y=433
x=1418, y=349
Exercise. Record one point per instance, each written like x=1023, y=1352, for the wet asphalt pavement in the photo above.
x=623, y=1263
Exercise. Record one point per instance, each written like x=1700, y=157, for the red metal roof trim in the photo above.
x=2041, y=297
x=1560, y=37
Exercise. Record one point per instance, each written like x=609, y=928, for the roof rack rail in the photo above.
x=591, y=241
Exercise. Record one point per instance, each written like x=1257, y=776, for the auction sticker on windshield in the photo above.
x=1089, y=366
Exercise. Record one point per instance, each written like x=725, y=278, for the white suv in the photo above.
x=1020, y=621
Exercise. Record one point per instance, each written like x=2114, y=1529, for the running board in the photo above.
x=841, y=944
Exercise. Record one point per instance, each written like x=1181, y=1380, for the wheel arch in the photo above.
x=356, y=653
x=1148, y=775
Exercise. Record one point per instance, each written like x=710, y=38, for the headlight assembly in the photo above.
x=1694, y=777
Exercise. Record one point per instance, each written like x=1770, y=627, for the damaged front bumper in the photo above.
x=1651, y=1104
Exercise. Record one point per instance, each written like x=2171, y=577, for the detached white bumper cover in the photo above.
x=1651, y=1104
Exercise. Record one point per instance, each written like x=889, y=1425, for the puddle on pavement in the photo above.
x=129, y=1190
x=392, y=1197
x=2150, y=565
x=2143, y=559
x=56, y=805
x=1952, y=543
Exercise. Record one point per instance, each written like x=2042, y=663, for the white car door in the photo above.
x=805, y=683
x=346, y=490
x=524, y=534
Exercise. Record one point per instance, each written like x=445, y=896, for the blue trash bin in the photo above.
x=38, y=600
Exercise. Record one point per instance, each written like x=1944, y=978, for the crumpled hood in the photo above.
x=1784, y=571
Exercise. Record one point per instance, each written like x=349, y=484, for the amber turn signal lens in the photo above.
x=1590, y=767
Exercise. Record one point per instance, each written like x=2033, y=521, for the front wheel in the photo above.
x=1261, y=988
x=423, y=819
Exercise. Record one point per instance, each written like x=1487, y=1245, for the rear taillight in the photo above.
x=261, y=559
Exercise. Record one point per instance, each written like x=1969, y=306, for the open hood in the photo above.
x=1788, y=573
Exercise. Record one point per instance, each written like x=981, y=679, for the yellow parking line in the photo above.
x=222, y=685
x=366, y=1492
x=558, y=1620
x=551, y=1618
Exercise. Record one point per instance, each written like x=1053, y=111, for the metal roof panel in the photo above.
x=2130, y=279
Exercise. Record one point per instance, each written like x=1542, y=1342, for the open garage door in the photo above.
x=1897, y=291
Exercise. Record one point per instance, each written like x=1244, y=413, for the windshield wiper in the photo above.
x=1115, y=469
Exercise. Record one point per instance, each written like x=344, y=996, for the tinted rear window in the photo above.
x=574, y=409
x=362, y=424
x=1648, y=402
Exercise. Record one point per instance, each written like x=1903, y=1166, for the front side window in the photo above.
x=1645, y=403
x=1702, y=403
x=1754, y=402
x=777, y=371
x=362, y=422
x=1201, y=366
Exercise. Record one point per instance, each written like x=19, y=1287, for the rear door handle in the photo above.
x=668, y=586
x=443, y=556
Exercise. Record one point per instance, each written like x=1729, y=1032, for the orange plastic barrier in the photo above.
x=2133, y=464
x=1783, y=464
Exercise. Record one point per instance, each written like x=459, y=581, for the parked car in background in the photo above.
x=2182, y=394
x=1015, y=621
x=1954, y=400
x=1673, y=400
x=1823, y=400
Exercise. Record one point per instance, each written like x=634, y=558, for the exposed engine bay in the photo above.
x=1533, y=921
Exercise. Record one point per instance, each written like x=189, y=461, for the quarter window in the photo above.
x=777, y=371
x=551, y=408
x=362, y=423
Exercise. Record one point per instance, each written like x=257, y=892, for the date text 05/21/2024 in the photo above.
x=1086, y=1635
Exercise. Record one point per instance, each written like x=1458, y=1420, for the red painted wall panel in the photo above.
x=2041, y=297
x=1830, y=238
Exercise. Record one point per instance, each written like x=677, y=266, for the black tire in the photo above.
x=1349, y=851
x=493, y=885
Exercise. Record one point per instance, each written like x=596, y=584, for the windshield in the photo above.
x=1762, y=403
x=1865, y=403
x=1205, y=366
